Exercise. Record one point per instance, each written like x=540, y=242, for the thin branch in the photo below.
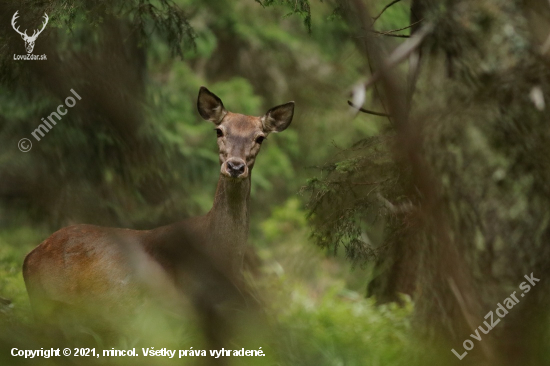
x=470, y=320
x=389, y=33
x=357, y=183
x=546, y=46
x=367, y=111
x=407, y=27
x=401, y=53
x=385, y=8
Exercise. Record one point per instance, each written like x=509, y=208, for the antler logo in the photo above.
x=29, y=41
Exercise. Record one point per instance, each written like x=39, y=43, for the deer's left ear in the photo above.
x=278, y=118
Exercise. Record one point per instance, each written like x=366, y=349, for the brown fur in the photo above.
x=84, y=266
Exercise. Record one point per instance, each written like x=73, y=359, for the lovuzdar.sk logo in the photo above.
x=29, y=40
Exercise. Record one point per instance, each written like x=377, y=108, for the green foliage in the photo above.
x=339, y=327
x=167, y=18
x=284, y=220
x=146, y=17
x=300, y=7
x=14, y=245
x=349, y=207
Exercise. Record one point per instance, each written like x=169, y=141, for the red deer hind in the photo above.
x=84, y=265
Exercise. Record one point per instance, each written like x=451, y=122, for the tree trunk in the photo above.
x=483, y=170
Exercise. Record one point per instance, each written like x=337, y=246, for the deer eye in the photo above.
x=260, y=139
x=219, y=132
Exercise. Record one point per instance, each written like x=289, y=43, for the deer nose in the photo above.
x=235, y=167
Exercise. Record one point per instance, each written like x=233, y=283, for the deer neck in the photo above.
x=228, y=220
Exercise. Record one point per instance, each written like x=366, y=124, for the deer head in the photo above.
x=29, y=40
x=240, y=136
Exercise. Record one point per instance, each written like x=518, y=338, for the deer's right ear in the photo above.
x=210, y=106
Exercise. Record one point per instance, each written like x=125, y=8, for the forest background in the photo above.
x=376, y=231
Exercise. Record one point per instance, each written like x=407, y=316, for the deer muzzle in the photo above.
x=235, y=168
